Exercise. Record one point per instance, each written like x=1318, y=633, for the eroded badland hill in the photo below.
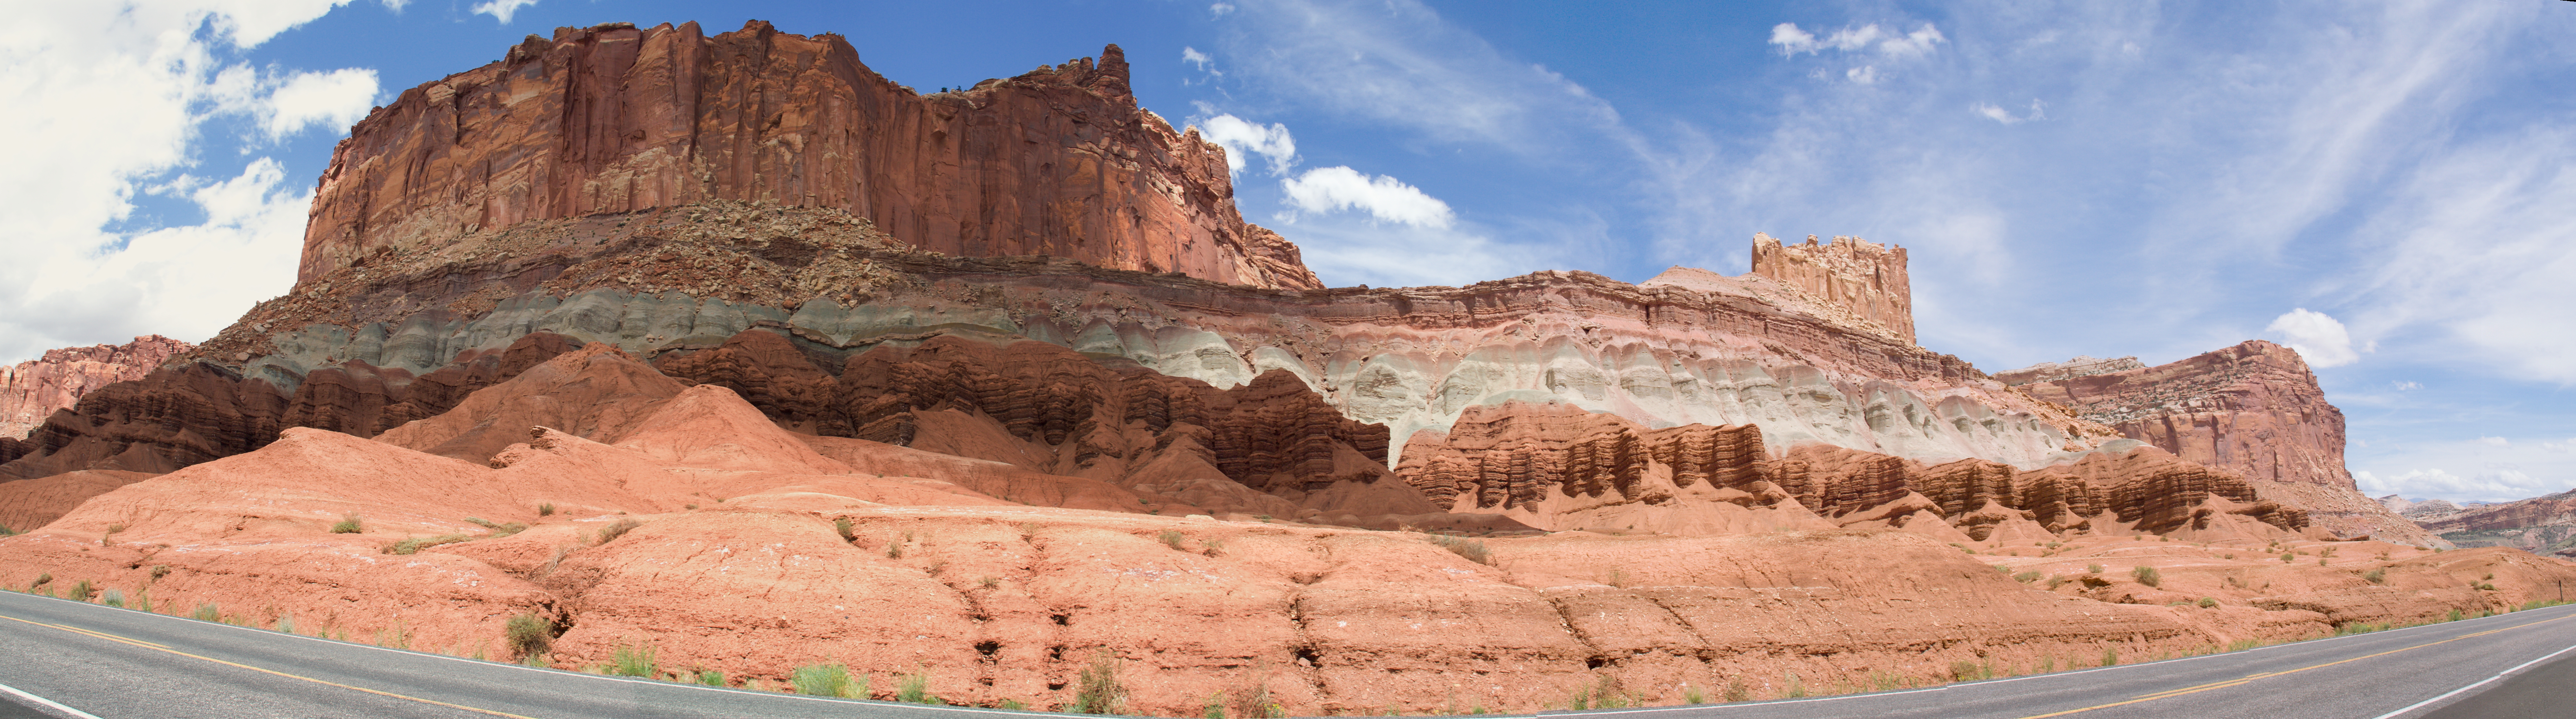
x=726, y=346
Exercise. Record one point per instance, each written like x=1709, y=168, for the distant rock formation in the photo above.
x=32, y=390
x=1557, y=467
x=1864, y=278
x=2081, y=366
x=613, y=119
x=2545, y=524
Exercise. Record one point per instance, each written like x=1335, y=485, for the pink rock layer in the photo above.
x=1058, y=161
x=32, y=390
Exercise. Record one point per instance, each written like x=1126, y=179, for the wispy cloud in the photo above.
x=502, y=10
x=2319, y=339
x=1328, y=189
x=1243, y=138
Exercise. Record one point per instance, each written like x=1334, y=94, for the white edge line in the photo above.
x=2499, y=675
x=49, y=703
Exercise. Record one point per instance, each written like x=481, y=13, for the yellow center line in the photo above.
x=2266, y=675
x=161, y=648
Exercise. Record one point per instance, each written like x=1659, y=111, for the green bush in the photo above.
x=82, y=590
x=499, y=529
x=529, y=635
x=1473, y=550
x=1736, y=691
x=206, y=612
x=2147, y=575
x=2376, y=576
x=634, y=661
x=1099, y=690
x=2094, y=568
x=711, y=677
x=112, y=598
x=2208, y=602
x=2110, y=655
x=545, y=509
x=1171, y=538
x=828, y=680
x=2027, y=577
x=842, y=525
x=914, y=688
x=348, y=525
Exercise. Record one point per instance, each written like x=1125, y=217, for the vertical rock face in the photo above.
x=32, y=390
x=1058, y=161
x=1862, y=277
x=2253, y=408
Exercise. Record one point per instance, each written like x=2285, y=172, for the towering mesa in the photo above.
x=1058, y=161
x=1862, y=277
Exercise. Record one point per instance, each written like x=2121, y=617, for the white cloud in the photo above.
x=1348, y=250
x=335, y=99
x=1193, y=56
x=2495, y=486
x=1329, y=189
x=1865, y=74
x=1242, y=137
x=126, y=92
x=502, y=9
x=2494, y=441
x=2560, y=447
x=2406, y=385
x=1793, y=40
x=2319, y=339
x=2038, y=111
x=1220, y=9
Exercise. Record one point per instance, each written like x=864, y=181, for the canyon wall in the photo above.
x=32, y=390
x=612, y=119
x=1864, y=278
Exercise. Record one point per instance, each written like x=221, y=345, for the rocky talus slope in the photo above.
x=32, y=390
x=2253, y=409
x=615, y=119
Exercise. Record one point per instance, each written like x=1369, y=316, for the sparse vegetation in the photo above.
x=617, y=529
x=711, y=677
x=634, y=660
x=82, y=591
x=1215, y=707
x=113, y=598
x=1171, y=538
x=2208, y=602
x=2455, y=616
x=545, y=509
x=2376, y=576
x=2094, y=568
x=1014, y=705
x=499, y=529
x=349, y=524
x=207, y=612
x=828, y=680
x=415, y=544
x=1099, y=689
x=2147, y=575
x=2027, y=577
x=285, y=624
x=1736, y=691
x=2288, y=557
x=1473, y=549
x=1692, y=695
x=1796, y=688
x=894, y=550
x=914, y=688
x=988, y=582
x=2110, y=655
x=529, y=635
x=1603, y=694
x=1265, y=519
x=1968, y=671
x=842, y=525
x=1212, y=547
x=159, y=571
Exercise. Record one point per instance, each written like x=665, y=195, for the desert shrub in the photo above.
x=1215, y=706
x=2455, y=616
x=914, y=688
x=1014, y=704
x=2288, y=557
x=2027, y=577
x=499, y=529
x=1797, y=688
x=2147, y=575
x=829, y=680
x=633, y=660
x=1968, y=671
x=415, y=544
x=2208, y=602
x=349, y=524
x=1212, y=547
x=207, y=612
x=842, y=525
x=2376, y=576
x=6, y=531
x=285, y=624
x=617, y=529
x=1692, y=695
x=1171, y=538
x=2094, y=568
x=1099, y=690
x=1736, y=691
x=1263, y=517
x=112, y=598
x=2487, y=587
x=82, y=590
x=545, y=509
x=159, y=571
x=711, y=677
x=1473, y=549
x=2110, y=655
x=529, y=635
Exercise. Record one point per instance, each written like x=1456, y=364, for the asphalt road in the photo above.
x=119, y=664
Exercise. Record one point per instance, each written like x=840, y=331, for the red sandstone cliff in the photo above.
x=34, y=389
x=1058, y=161
x=1862, y=277
x=2253, y=408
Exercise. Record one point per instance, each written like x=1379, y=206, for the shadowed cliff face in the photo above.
x=611, y=119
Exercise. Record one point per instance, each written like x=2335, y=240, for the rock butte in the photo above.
x=727, y=346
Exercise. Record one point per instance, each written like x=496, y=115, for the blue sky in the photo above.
x=2383, y=185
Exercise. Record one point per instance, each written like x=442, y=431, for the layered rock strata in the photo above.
x=2080, y=366
x=2545, y=524
x=1558, y=467
x=615, y=119
x=1864, y=278
x=32, y=390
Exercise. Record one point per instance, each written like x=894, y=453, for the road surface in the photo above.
x=72, y=659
